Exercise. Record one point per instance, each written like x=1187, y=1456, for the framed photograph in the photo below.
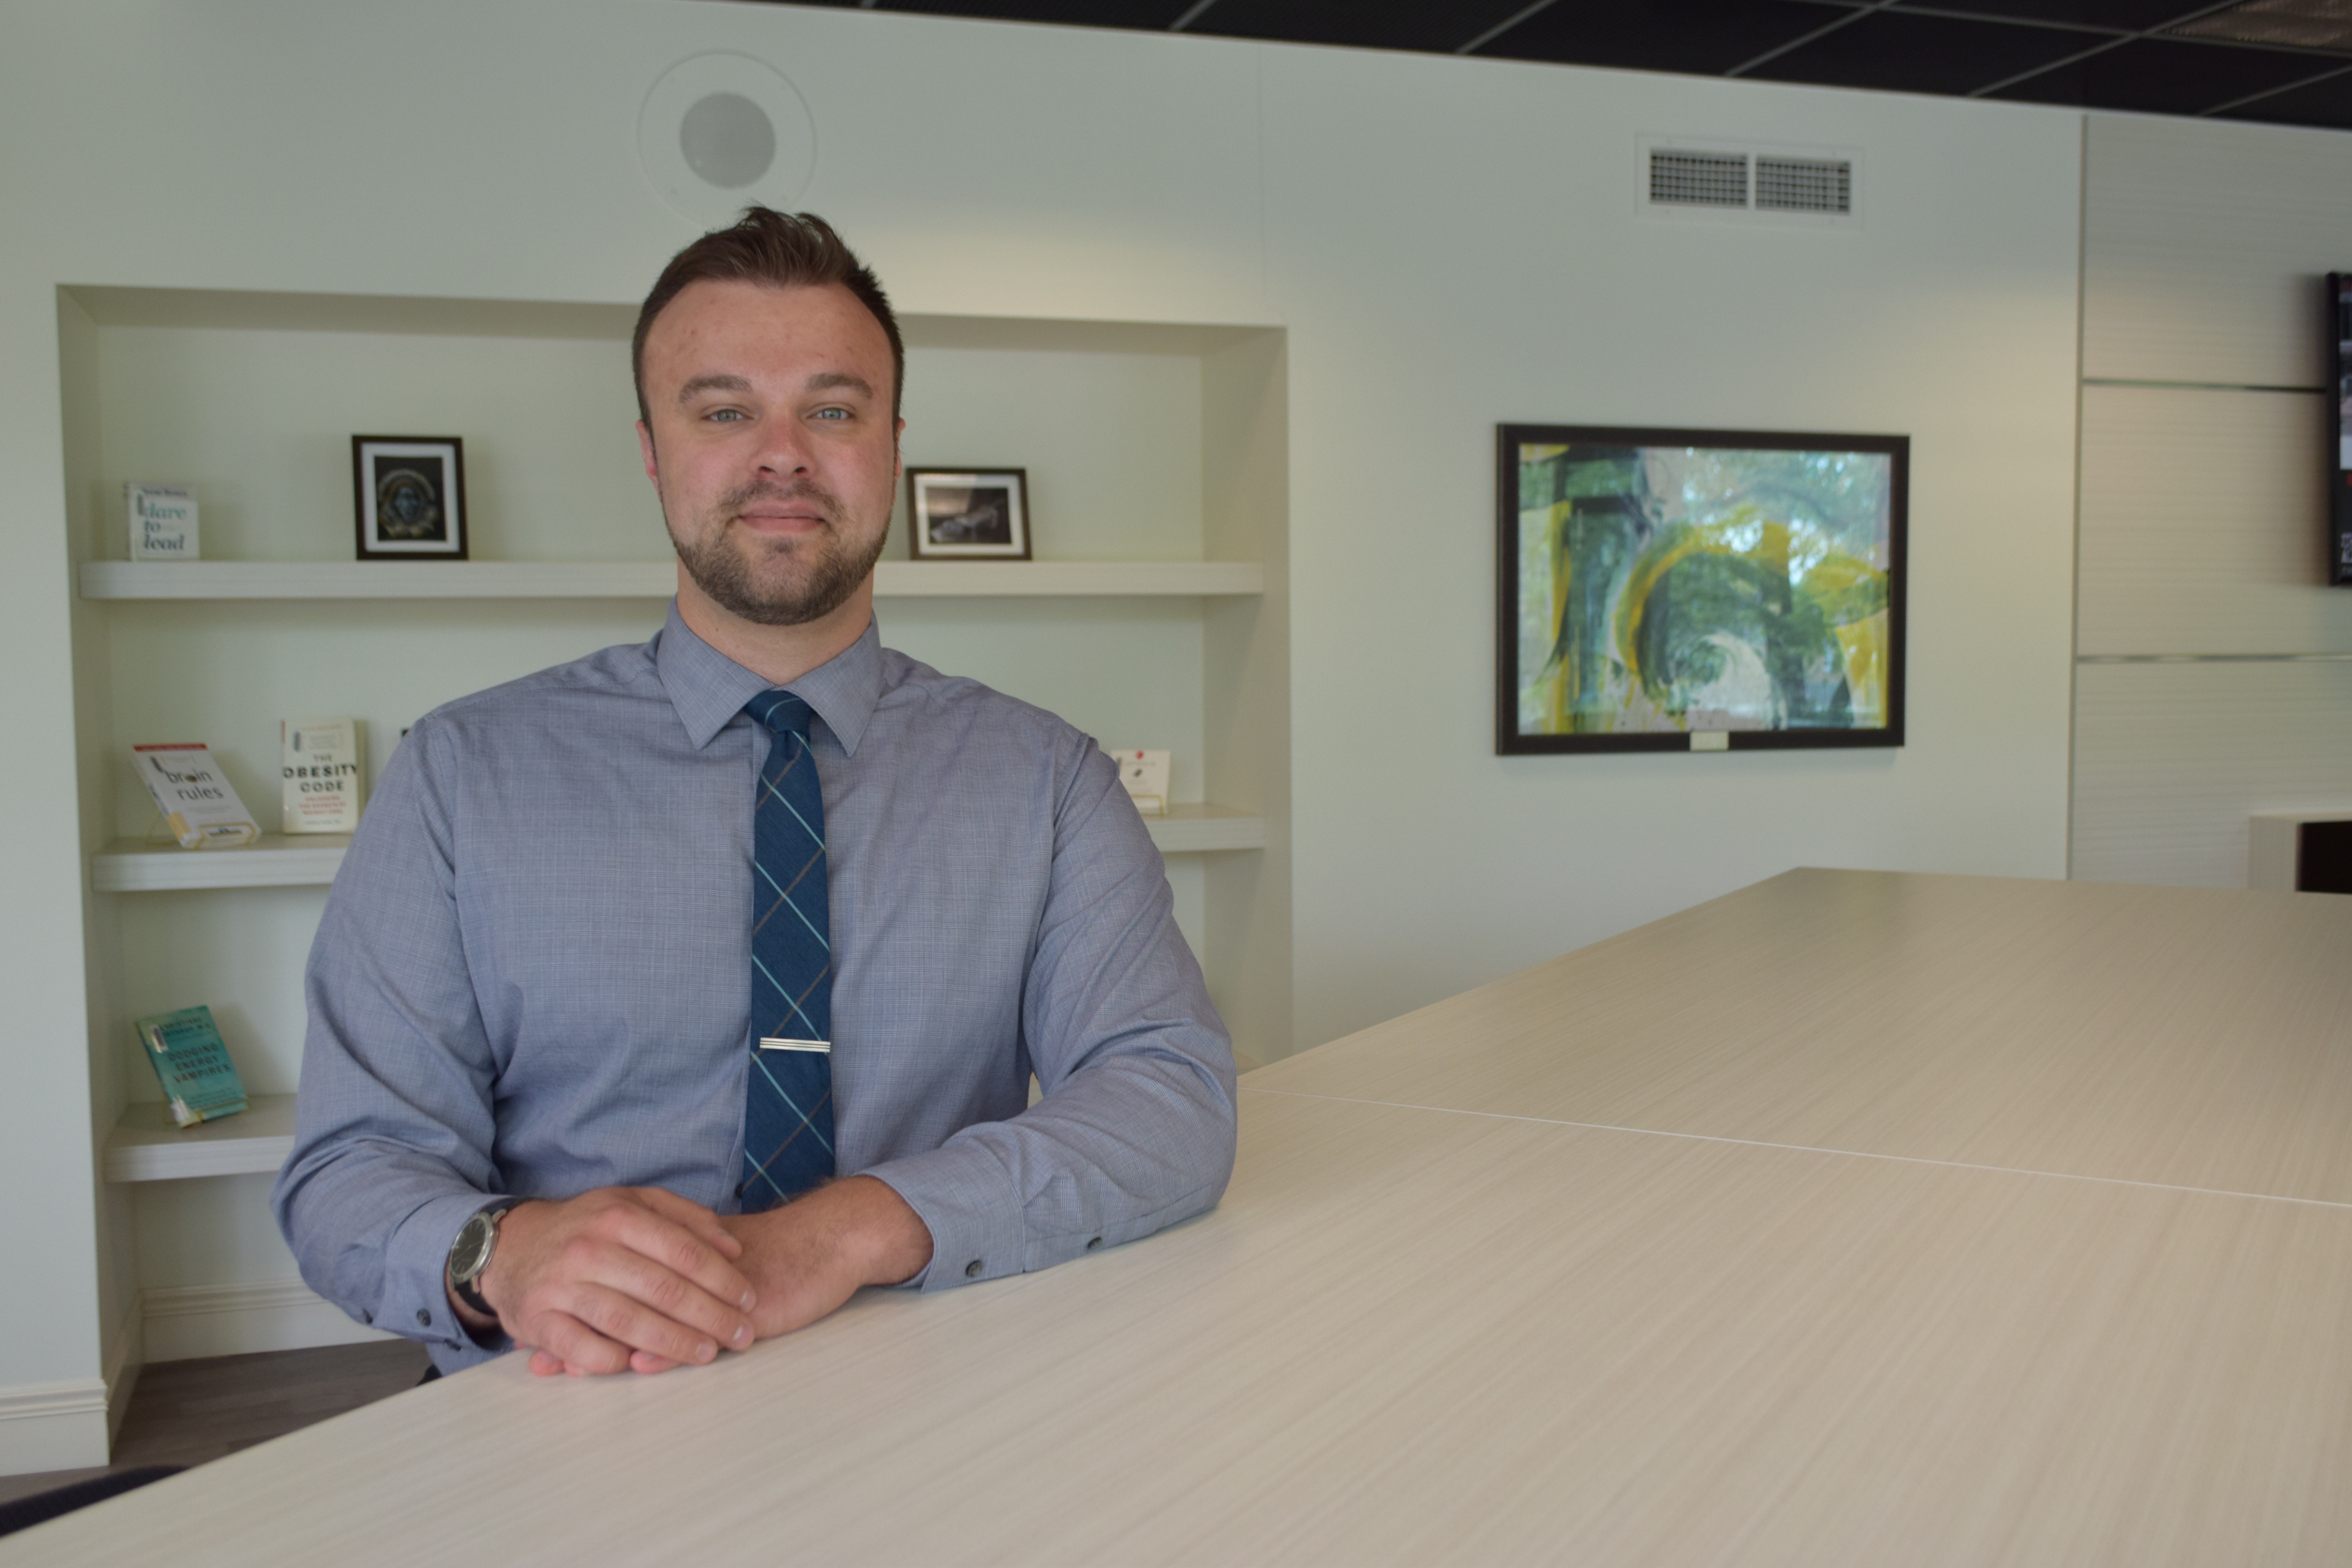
x=1697, y=590
x=409, y=493
x=968, y=514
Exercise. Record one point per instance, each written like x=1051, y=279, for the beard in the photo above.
x=779, y=582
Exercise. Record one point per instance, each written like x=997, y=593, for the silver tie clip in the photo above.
x=822, y=1048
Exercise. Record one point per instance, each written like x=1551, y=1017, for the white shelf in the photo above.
x=1199, y=829
x=133, y=865
x=146, y=1147
x=644, y=579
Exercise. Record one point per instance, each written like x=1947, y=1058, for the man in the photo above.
x=667, y=997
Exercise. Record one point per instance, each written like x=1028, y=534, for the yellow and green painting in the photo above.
x=1664, y=587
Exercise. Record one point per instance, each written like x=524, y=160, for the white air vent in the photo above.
x=1803, y=184
x=1698, y=179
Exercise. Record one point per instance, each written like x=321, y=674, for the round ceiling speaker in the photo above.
x=720, y=131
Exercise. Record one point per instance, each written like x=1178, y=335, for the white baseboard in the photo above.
x=188, y=1321
x=123, y=1359
x=52, y=1426
x=70, y=1426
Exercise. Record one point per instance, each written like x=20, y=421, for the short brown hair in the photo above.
x=783, y=250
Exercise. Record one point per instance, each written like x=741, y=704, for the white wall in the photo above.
x=1450, y=244
x=1456, y=244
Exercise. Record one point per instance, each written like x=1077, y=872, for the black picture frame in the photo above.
x=968, y=514
x=1629, y=539
x=408, y=497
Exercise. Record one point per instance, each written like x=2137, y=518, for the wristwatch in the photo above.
x=470, y=1255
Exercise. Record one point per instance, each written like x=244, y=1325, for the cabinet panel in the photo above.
x=2170, y=760
x=2203, y=246
x=2204, y=528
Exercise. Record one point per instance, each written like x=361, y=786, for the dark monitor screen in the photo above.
x=2323, y=861
x=2339, y=424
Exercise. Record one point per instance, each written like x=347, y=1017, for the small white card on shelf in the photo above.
x=197, y=801
x=1145, y=776
x=163, y=522
x=325, y=774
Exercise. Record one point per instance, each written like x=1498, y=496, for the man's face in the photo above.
x=772, y=444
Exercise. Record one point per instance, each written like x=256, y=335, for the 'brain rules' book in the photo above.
x=194, y=796
x=191, y=1061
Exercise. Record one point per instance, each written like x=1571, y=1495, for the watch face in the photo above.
x=473, y=1247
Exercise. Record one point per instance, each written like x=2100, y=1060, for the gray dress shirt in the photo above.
x=533, y=974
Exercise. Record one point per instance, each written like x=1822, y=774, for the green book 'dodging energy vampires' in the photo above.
x=190, y=1059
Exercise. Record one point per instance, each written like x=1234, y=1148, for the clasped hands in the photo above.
x=639, y=1279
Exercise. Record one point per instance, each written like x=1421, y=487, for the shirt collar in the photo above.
x=707, y=689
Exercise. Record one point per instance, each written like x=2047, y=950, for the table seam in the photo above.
x=1806, y=1148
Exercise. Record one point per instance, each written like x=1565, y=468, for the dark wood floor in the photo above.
x=187, y=1412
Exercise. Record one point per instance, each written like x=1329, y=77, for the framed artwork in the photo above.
x=1697, y=590
x=409, y=497
x=968, y=514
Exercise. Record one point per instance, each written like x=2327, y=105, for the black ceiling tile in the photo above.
x=1703, y=37
x=2323, y=103
x=1129, y=14
x=2165, y=76
x=1433, y=26
x=1919, y=54
x=2130, y=16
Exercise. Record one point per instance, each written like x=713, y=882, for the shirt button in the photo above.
x=972, y=1269
x=423, y=1318
x=1095, y=1242
x=368, y=1318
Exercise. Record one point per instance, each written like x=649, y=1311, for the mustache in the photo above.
x=741, y=495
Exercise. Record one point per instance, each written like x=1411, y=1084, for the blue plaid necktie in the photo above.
x=788, y=1119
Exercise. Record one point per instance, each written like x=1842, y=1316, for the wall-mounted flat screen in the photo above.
x=1698, y=590
x=2339, y=429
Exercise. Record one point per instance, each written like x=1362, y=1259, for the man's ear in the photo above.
x=897, y=451
x=645, y=446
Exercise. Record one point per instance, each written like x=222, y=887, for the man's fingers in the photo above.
x=575, y=1347
x=681, y=1252
x=620, y=1277
x=694, y=1217
x=542, y=1365
x=627, y=1320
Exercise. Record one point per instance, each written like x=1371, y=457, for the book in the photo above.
x=325, y=763
x=1145, y=776
x=163, y=522
x=192, y=1062
x=198, y=802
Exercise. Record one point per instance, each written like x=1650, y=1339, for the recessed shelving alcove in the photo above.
x=1155, y=614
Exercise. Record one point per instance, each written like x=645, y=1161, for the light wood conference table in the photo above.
x=1853, y=1218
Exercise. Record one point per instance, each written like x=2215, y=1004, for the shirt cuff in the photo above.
x=967, y=1200
x=416, y=1266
